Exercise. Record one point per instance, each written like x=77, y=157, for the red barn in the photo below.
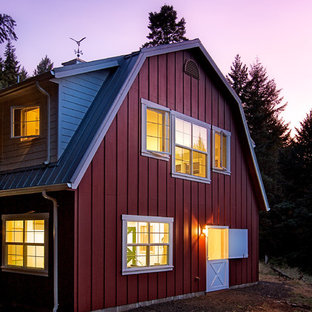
x=126, y=181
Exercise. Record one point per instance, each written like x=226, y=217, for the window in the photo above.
x=147, y=244
x=25, y=243
x=221, y=150
x=25, y=122
x=190, y=148
x=155, y=130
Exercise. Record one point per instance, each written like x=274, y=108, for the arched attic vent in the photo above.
x=191, y=69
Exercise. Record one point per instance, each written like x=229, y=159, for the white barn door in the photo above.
x=223, y=244
x=217, y=274
x=217, y=259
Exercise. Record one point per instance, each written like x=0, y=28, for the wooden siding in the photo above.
x=76, y=94
x=16, y=153
x=121, y=181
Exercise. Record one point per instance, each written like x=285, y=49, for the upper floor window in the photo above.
x=155, y=130
x=147, y=244
x=25, y=243
x=221, y=150
x=25, y=122
x=190, y=148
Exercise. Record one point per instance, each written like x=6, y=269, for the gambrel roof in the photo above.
x=68, y=171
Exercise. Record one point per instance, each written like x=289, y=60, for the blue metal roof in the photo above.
x=61, y=172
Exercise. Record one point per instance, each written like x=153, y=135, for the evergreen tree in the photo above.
x=23, y=75
x=238, y=77
x=7, y=25
x=11, y=67
x=44, y=66
x=262, y=106
x=164, y=28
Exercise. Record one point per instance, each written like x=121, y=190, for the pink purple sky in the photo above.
x=277, y=32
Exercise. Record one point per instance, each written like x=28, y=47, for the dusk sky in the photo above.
x=277, y=32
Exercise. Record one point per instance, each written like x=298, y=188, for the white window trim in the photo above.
x=144, y=152
x=12, y=123
x=227, y=170
x=26, y=270
x=138, y=270
x=197, y=122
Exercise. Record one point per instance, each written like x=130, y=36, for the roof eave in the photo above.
x=35, y=189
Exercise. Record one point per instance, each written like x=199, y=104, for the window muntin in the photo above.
x=155, y=130
x=147, y=245
x=25, y=240
x=190, y=145
x=221, y=150
x=25, y=122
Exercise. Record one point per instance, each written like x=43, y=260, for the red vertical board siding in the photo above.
x=84, y=247
x=110, y=217
x=121, y=181
x=153, y=170
x=122, y=187
x=202, y=237
x=133, y=171
x=194, y=238
x=143, y=174
x=98, y=229
x=186, y=236
x=170, y=181
x=178, y=246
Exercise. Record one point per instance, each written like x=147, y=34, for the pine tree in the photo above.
x=23, y=75
x=164, y=28
x=238, y=76
x=7, y=25
x=262, y=106
x=44, y=66
x=11, y=67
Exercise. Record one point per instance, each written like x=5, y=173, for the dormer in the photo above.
x=40, y=115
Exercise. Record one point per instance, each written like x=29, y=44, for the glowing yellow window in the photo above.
x=191, y=149
x=25, y=242
x=147, y=244
x=221, y=145
x=26, y=122
x=157, y=130
x=218, y=244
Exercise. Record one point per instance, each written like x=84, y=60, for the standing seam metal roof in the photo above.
x=62, y=171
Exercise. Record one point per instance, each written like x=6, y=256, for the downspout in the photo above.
x=55, y=249
x=47, y=161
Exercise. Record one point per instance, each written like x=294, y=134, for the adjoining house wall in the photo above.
x=35, y=293
x=17, y=153
x=121, y=181
x=76, y=94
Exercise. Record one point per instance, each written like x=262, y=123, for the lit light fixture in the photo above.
x=205, y=230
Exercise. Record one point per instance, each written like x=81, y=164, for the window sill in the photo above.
x=156, y=155
x=226, y=172
x=190, y=177
x=148, y=270
x=24, y=271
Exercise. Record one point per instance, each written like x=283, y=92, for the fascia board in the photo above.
x=35, y=189
x=77, y=69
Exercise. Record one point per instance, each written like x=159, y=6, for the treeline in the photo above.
x=285, y=164
x=11, y=71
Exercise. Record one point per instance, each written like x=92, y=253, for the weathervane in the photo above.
x=78, y=52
